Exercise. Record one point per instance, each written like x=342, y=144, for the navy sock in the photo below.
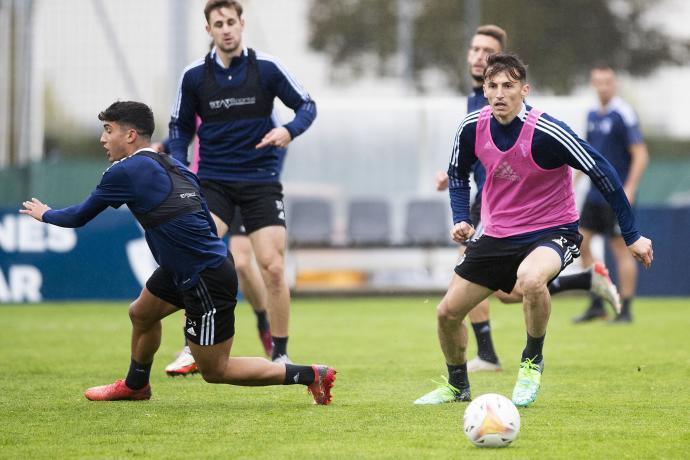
x=570, y=282
x=597, y=304
x=625, y=306
x=485, y=346
x=262, y=320
x=279, y=346
x=533, y=349
x=295, y=374
x=138, y=375
x=457, y=376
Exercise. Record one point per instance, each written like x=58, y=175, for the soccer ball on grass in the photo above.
x=491, y=420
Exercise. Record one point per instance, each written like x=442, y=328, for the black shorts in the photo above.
x=260, y=204
x=493, y=262
x=209, y=306
x=599, y=218
x=236, y=226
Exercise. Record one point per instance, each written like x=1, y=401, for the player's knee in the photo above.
x=531, y=284
x=213, y=374
x=275, y=272
x=242, y=265
x=446, y=314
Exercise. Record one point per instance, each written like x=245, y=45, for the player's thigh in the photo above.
x=221, y=227
x=158, y=299
x=211, y=359
x=241, y=249
x=461, y=297
x=540, y=266
x=269, y=244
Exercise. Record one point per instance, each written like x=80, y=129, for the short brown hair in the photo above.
x=505, y=62
x=216, y=4
x=493, y=31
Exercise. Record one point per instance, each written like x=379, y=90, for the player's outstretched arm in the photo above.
x=35, y=209
x=461, y=232
x=642, y=251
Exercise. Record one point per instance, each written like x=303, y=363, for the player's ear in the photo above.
x=525, y=90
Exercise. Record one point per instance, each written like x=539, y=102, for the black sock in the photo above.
x=569, y=282
x=138, y=375
x=262, y=320
x=533, y=349
x=457, y=376
x=279, y=346
x=485, y=346
x=625, y=306
x=295, y=374
x=597, y=304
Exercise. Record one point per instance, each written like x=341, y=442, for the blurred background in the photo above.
x=389, y=78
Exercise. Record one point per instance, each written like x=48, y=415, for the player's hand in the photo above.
x=461, y=232
x=441, y=181
x=642, y=251
x=35, y=209
x=280, y=137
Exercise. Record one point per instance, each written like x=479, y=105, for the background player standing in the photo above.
x=613, y=129
x=240, y=145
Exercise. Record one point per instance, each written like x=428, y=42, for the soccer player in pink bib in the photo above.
x=531, y=222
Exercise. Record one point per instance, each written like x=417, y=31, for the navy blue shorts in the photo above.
x=493, y=262
x=260, y=204
x=209, y=306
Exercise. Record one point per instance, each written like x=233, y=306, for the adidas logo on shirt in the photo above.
x=190, y=331
x=505, y=171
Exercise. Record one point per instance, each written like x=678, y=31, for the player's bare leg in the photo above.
x=269, y=246
x=596, y=308
x=461, y=297
x=252, y=286
x=217, y=366
x=533, y=274
x=627, y=276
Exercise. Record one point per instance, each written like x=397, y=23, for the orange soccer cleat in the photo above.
x=118, y=391
x=324, y=379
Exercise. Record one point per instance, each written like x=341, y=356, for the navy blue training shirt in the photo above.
x=553, y=145
x=612, y=131
x=477, y=101
x=227, y=149
x=185, y=245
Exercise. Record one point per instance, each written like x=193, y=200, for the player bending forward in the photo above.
x=165, y=198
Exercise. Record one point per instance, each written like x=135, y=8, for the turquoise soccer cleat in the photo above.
x=445, y=393
x=528, y=382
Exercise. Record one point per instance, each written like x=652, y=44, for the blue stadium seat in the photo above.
x=427, y=223
x=310, y=222
x=369, y=222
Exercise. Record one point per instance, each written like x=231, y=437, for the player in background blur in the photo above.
x=490, y=39
x=612, y=129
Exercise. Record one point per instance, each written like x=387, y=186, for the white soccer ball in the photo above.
x=491, y=420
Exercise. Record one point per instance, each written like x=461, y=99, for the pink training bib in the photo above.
x=519, y=196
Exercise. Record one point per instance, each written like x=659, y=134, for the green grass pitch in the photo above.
x=607, y=391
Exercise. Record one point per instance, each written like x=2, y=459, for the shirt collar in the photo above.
x=218, y=61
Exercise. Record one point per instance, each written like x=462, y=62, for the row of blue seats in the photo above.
x=369, y=223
